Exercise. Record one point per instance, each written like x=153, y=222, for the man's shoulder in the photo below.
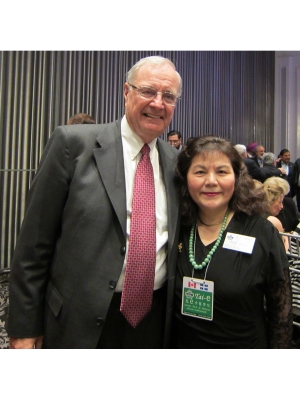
x=87, y=131
x=249, y=161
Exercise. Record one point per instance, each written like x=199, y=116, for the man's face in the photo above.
x=286, y=157
x=174, y=141
x=150, y=118
x=260, y=151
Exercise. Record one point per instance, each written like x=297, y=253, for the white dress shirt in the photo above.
x=132, y=146
x=285, y=167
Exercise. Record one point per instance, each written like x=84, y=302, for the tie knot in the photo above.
x=145, y=150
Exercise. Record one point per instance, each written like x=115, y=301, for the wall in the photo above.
x=287, y=103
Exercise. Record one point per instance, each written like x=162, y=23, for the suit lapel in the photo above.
x=168, y=162
x=110, y=163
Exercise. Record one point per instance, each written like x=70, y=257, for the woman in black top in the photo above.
x=232, y=284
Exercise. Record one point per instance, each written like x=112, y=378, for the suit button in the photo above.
x=123, y=250
x=100, y=321
x=112, y=284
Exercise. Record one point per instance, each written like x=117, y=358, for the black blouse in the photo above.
x=252, y=293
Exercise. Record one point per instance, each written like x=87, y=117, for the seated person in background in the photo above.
x=287, y=214
x=81, y=118
x=270, y=214
x=275, y=193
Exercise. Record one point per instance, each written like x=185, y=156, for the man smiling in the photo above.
x=69, y=267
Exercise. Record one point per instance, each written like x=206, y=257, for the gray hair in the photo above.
x=131, y=74
x=269, y=158
x=240, y=148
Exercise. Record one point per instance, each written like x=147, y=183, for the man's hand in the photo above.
x=30, y=343
x=283, y=171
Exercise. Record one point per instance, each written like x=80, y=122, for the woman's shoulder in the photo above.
x=276, y=222
x=255, y=223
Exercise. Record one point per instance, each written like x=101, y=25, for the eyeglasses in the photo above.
x=173, y=141
x=150, y=93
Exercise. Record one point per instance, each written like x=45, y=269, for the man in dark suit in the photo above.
x=174, y=138
x=258, y=158
x=291, y=170
x=297, y=162
x=68, y=269
x=253, y=169
x=269, y=169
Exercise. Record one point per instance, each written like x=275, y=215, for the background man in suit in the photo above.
x=251, y=149
x=291, y=170
x=269, y=169
x=174, y=138
x=68, y=269
x=259, y=152
x=253, y=168
x=297, y=162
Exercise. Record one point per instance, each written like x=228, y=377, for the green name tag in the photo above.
x=197, y=298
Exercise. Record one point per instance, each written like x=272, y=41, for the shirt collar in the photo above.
x=133, y=140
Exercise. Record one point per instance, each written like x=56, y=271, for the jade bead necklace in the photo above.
x=192, y=244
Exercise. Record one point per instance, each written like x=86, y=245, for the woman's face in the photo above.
x=211, y=180
x=277, y=206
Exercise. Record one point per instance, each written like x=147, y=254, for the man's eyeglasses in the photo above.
x=150, y=93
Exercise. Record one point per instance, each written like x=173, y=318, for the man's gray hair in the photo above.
x=130, y=76
x=268, y=158
x=240, y=148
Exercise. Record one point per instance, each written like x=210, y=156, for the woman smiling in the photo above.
x=231, y=259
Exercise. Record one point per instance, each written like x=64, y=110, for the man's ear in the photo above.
x=126, y=91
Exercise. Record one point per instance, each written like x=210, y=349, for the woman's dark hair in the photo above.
x=246, y=198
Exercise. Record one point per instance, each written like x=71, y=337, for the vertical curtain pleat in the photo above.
x=226, y=93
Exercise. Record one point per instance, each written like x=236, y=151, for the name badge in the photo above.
x=197, y=298
x=236, y=242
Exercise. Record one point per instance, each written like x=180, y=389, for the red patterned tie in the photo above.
x=140, y=267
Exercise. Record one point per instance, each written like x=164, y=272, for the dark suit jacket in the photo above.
x=253, y=169
x=270, y=170
x=292, y=177
x=255, y=159
x=71, y=247
x=289, y=215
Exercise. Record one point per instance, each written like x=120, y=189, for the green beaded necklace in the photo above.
x=192, y=243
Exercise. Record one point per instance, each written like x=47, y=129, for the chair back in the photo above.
x=293, y=254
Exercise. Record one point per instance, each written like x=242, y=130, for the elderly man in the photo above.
x=269, y=169
x=252, y=167
x=259, y=152
x=95, y=259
